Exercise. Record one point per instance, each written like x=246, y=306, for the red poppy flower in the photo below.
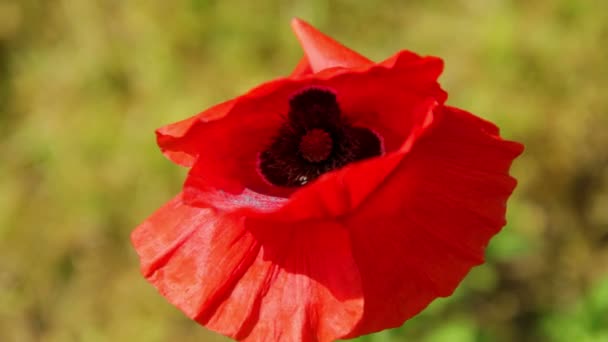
x=332, y=203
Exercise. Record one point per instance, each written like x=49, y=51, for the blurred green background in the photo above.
x=83, y=84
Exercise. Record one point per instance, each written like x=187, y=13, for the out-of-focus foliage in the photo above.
x=83, y=84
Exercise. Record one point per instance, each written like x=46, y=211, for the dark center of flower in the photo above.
x=315, y=139
x=316, y=145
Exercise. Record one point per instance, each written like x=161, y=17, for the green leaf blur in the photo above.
x=83, y=84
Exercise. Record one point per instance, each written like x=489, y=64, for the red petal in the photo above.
x=177, y=145
x=322, y=51
x=163, y=232
x=193, y=255
x=254, y=282
x=302, y=69
x=303, y=286
x=429, y=222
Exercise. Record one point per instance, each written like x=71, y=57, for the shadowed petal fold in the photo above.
x=429, y=222
x=303, y=286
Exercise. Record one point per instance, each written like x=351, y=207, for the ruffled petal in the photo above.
x=157, y=238
x=303, y=286
x=179, y=146
x=253, y=280
x=429, y=222
x=323, y=52
x=193, y=256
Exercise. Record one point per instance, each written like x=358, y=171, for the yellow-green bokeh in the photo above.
x=83, y=84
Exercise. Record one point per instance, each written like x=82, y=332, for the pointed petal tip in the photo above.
x=322, y=51
x=304, y=31
x=302, y=28
x=296, y=22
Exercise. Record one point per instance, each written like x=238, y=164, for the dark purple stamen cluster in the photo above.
x=315, y=139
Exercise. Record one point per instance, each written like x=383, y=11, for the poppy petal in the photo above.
x=432, y=218
x=174, y=141
x=252, y=281
x=302, y=69
x=193, y=255
x=303, y=286
x=324, y=52
x=163, y=232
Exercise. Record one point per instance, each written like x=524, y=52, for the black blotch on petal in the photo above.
x=314, y=108
x=283, y=163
